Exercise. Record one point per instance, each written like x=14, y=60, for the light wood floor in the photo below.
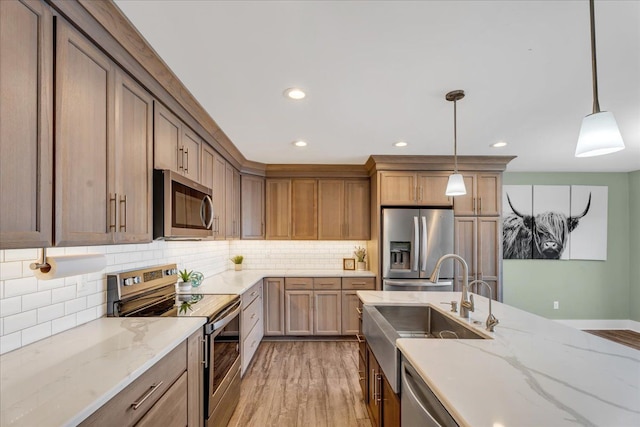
x=302, y=383
x=626, y=337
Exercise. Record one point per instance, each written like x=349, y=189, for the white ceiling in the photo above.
x=377, y=72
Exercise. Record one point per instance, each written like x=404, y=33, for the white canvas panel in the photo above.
x=516, y=237
x=589, y=238
x=551, y=208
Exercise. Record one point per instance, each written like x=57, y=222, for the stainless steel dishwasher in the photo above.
x=419, y=407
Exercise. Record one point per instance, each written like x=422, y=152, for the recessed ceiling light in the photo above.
x=498, y=144
x=294, y=93
x=299, y=143
x=400, y=144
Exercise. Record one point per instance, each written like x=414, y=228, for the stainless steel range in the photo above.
x=151, y=292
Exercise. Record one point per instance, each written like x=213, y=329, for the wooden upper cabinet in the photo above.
x=432, y=187
x=252, y=207
x=26, y=124
x=484, y=195
x=304, y=209
x=207, y=161
x=343, y=209
x=133, y=161
x=176, y=146
x=278, y=209
x=414, y=189
x=398, y=188
x=86, y=206
x=232, y=202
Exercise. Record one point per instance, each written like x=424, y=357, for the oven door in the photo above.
x=222, y=375
x=182, y=208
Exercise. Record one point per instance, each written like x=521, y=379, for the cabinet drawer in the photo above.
x=251, y=315
x=298, y=283
x=326, y=283
x=119, y=410
x=359, y=283
x=251, y=294
x=171, y=409
x=250, y=345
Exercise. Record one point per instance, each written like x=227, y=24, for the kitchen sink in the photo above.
x=382, y=325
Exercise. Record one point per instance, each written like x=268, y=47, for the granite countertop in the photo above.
x=237, y=282
x=63, y=379
x=534, y=372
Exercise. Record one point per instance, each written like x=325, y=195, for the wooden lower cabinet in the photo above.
x=383, y=404
x=168, y=394
x=327, y=312
x=273, y=295
x=298, y=312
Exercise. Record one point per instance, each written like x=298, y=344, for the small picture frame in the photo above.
x=348, y=263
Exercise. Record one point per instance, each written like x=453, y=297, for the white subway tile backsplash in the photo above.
x=63, y=323
x=63, y=294
x=15, y=287
x=21, y=255
x=75, y=305
x=11, y=270
x=96, y=299
x=87, y=315
x=10, y=342
x=35, y=300
x=36, y=333
x=50, y=312
x=9, y=306
x=19, y=321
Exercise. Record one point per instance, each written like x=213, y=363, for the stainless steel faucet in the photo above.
x=466, y=301
x=491, y=319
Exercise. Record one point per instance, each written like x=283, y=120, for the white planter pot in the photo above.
x=361, y=266
x=237, y=267
x=184, y=286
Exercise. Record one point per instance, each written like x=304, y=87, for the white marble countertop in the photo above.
x=237, y=282
x=534, y=372
x=61, y=380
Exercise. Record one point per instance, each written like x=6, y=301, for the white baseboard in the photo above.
x=602, y=324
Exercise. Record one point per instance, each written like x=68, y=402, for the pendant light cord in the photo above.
x=594, y=68
x=455, y=136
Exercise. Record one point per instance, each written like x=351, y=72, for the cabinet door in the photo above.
x=398, y=188
x=85, y=200
x=26, y=124
x=488, y=255
x=357, y=210
x=465, y=246
x=331, y=209
x=219, y=197
x=195, y=378
x=133, y=161
x=466, y=204
x=327, y=312
x=362, y=377
x=390, y=404
x=190, y=152
x=374, y=377
x=489, y=193
x=278, y=208
x=304, y=209
x=207, y=159
x=252, y=207
x=167, y=139
x=350, y=315
x=236, y=204
x=232, y=202
x=432, y=188
x=171, y=409
x=299, y=312
x=274, y=306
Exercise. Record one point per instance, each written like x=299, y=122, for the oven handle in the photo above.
x=224, y=319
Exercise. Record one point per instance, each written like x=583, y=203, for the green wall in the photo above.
x=584, y=289
x=634, y=245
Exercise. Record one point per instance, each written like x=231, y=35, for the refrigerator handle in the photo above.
x=416, y=239
x=423, y=242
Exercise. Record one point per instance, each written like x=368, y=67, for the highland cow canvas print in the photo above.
x=554, y=222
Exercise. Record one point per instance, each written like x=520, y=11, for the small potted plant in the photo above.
x=361, y=255
x=237, y=261
x=185, y=276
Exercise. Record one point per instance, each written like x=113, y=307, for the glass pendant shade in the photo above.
x=599, y=135
x=455, y=185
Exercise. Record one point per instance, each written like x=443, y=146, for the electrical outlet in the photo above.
x=556, y=305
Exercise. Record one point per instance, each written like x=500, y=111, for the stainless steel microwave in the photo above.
x=182, y=208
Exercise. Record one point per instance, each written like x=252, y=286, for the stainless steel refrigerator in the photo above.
x=412, y=242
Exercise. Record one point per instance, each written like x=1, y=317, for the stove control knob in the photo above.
x=128, y=281
x=136, y=279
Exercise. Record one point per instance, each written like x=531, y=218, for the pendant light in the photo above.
x=599, y=133
x=455, y=185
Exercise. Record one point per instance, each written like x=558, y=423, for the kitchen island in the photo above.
x=534, y=372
